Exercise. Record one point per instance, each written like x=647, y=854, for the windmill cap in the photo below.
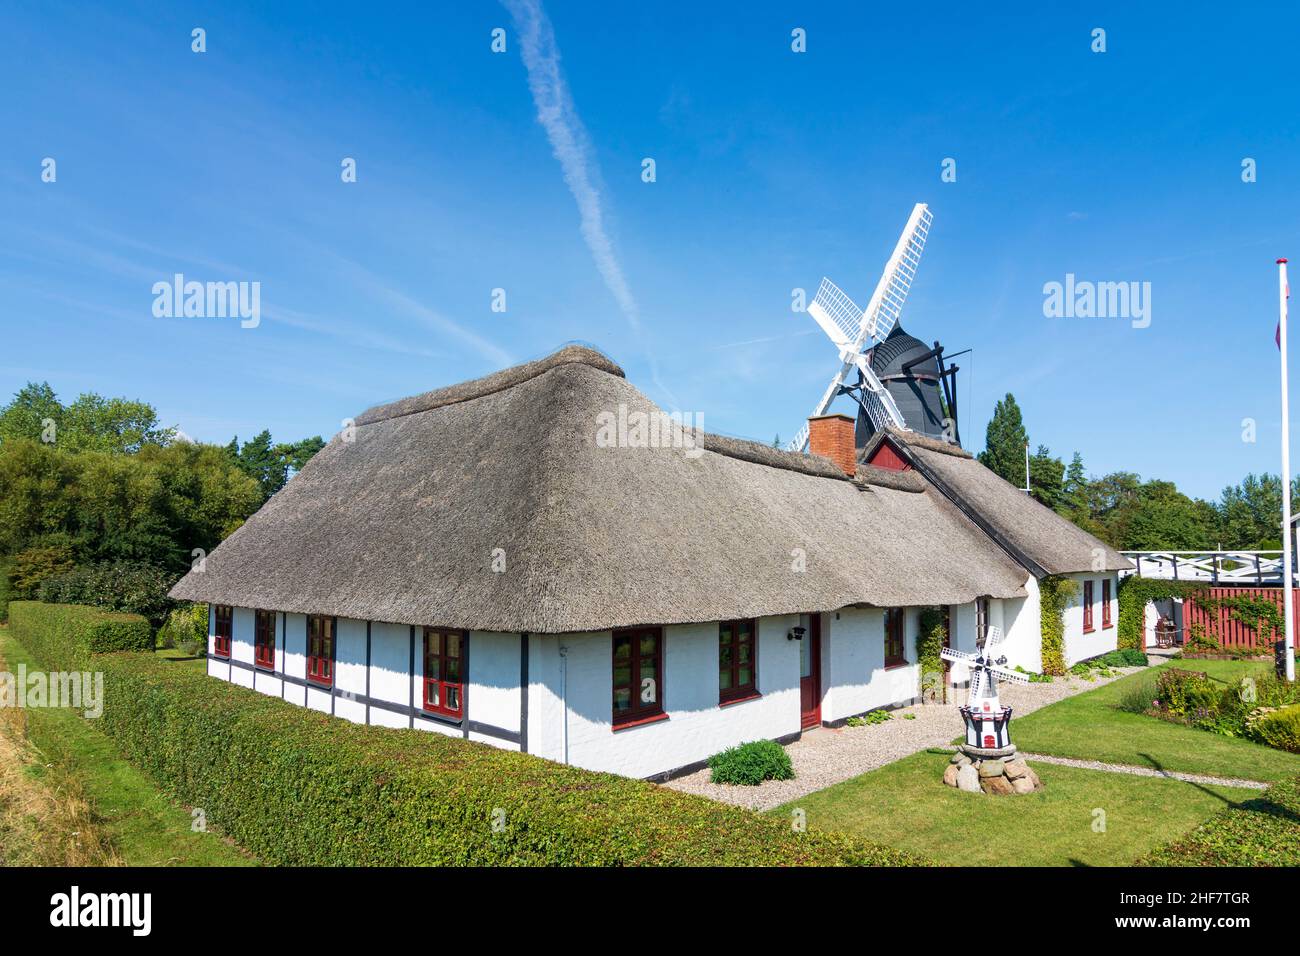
x=1281, y=262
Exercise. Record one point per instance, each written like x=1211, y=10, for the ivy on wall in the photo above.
x=929, y=642
x=1054, y=593
x=1135, y=592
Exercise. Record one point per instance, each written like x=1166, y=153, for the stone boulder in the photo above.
x=968, y=779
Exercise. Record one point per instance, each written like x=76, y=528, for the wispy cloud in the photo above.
x=572, y=147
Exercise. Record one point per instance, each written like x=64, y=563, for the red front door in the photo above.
x=810, y=674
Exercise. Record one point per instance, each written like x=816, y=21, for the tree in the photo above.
x=1005, y=441
x=91, y=423
x=1046, y=478
x=1251, y=513
x=272, y=465
x=1074, y=488
x=1162, y=518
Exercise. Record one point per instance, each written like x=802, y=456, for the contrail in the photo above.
x=571, y=146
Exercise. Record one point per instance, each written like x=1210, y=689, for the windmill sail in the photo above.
x=851, y=329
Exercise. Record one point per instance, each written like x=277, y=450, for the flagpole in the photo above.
x=1288, y=611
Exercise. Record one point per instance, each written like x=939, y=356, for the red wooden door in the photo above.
x=810, y=675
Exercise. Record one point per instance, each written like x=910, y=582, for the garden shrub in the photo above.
x=1181, y=693
x=297, y=787
x=870, y=718
x=929, y=642
x=1128, y=657
x=64, y=636
x=752, y=763
x=1278, y=728
x=28, y=568
x=129, y=586
x=186, y=628
x=6, y=588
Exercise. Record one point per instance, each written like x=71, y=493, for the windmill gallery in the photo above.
x=649, y=615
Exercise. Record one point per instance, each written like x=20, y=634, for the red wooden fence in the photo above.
x=1220, y=625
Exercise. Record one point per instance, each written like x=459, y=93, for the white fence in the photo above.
x=1216, y=567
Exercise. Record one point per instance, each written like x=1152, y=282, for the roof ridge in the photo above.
x=489, y=384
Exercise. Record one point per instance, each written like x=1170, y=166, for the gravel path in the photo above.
x=1148, y=771
x=827, y=756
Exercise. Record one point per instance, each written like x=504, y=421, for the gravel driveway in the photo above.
x=827, y=756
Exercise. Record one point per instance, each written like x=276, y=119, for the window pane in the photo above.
x=453, y=698
x=724, y=656
x=433, y=668
x=724, y=632
x=453, y=645
x=434, y=697
x=622, y=648
x=746, y=651
x=649, y=644
x=746, y=677
x=453, y=669
x=648, y=668
x=623, y=676
x=746, y=630
x=622, y=698
x=724, y=678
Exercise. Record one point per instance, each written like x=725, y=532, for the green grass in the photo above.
x=906, y=805
x=1263, y=831
x=147, y=827
x=1090, y=726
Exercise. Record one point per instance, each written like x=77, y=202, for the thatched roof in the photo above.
x=1040, y=539
x=402, y=523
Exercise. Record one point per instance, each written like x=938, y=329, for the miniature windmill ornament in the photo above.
x=988, y=723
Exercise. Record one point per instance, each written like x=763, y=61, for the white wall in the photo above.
x=1078, y=645
x=856, y=680
x=1021, y=623
x=696, y=727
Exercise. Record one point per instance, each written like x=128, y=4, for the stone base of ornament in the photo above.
x=998, y=771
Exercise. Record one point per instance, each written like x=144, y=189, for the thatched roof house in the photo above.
x=539, y=560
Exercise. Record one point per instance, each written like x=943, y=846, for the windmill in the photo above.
x=988, y=723
x=894, y=378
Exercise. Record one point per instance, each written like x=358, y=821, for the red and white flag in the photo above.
x=1277, y=336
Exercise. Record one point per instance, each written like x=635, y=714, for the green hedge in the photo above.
x=1135, y=592
x=297, y=787
x=752, y=763
x=63, y=636
x=1261, y=831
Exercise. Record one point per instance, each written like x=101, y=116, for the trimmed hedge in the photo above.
x=1258, y=832
x=297, y=787
x=64, y=636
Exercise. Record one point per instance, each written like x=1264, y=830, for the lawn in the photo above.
x=146, y=827
x=905, y=805
x=1090, y=726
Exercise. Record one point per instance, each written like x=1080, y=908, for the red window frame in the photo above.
x=223, y=628
x=444, y=671
x=629, y=674
x=1087, y=607
x=1105, y=604
x=321, y=646
x=264, y=639
x=895, y=652
x=737, y=652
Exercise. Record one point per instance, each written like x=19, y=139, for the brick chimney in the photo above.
x=832, y=436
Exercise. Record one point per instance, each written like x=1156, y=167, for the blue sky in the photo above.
x=773, y=169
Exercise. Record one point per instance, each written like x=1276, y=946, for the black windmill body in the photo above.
x=923, y=388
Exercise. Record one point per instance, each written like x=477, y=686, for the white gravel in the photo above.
x=827, y=756
x=1147, y=771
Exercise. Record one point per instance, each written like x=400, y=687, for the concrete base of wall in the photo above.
x=699, y=765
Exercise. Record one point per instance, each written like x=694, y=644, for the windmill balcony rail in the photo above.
x=1217, y=567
